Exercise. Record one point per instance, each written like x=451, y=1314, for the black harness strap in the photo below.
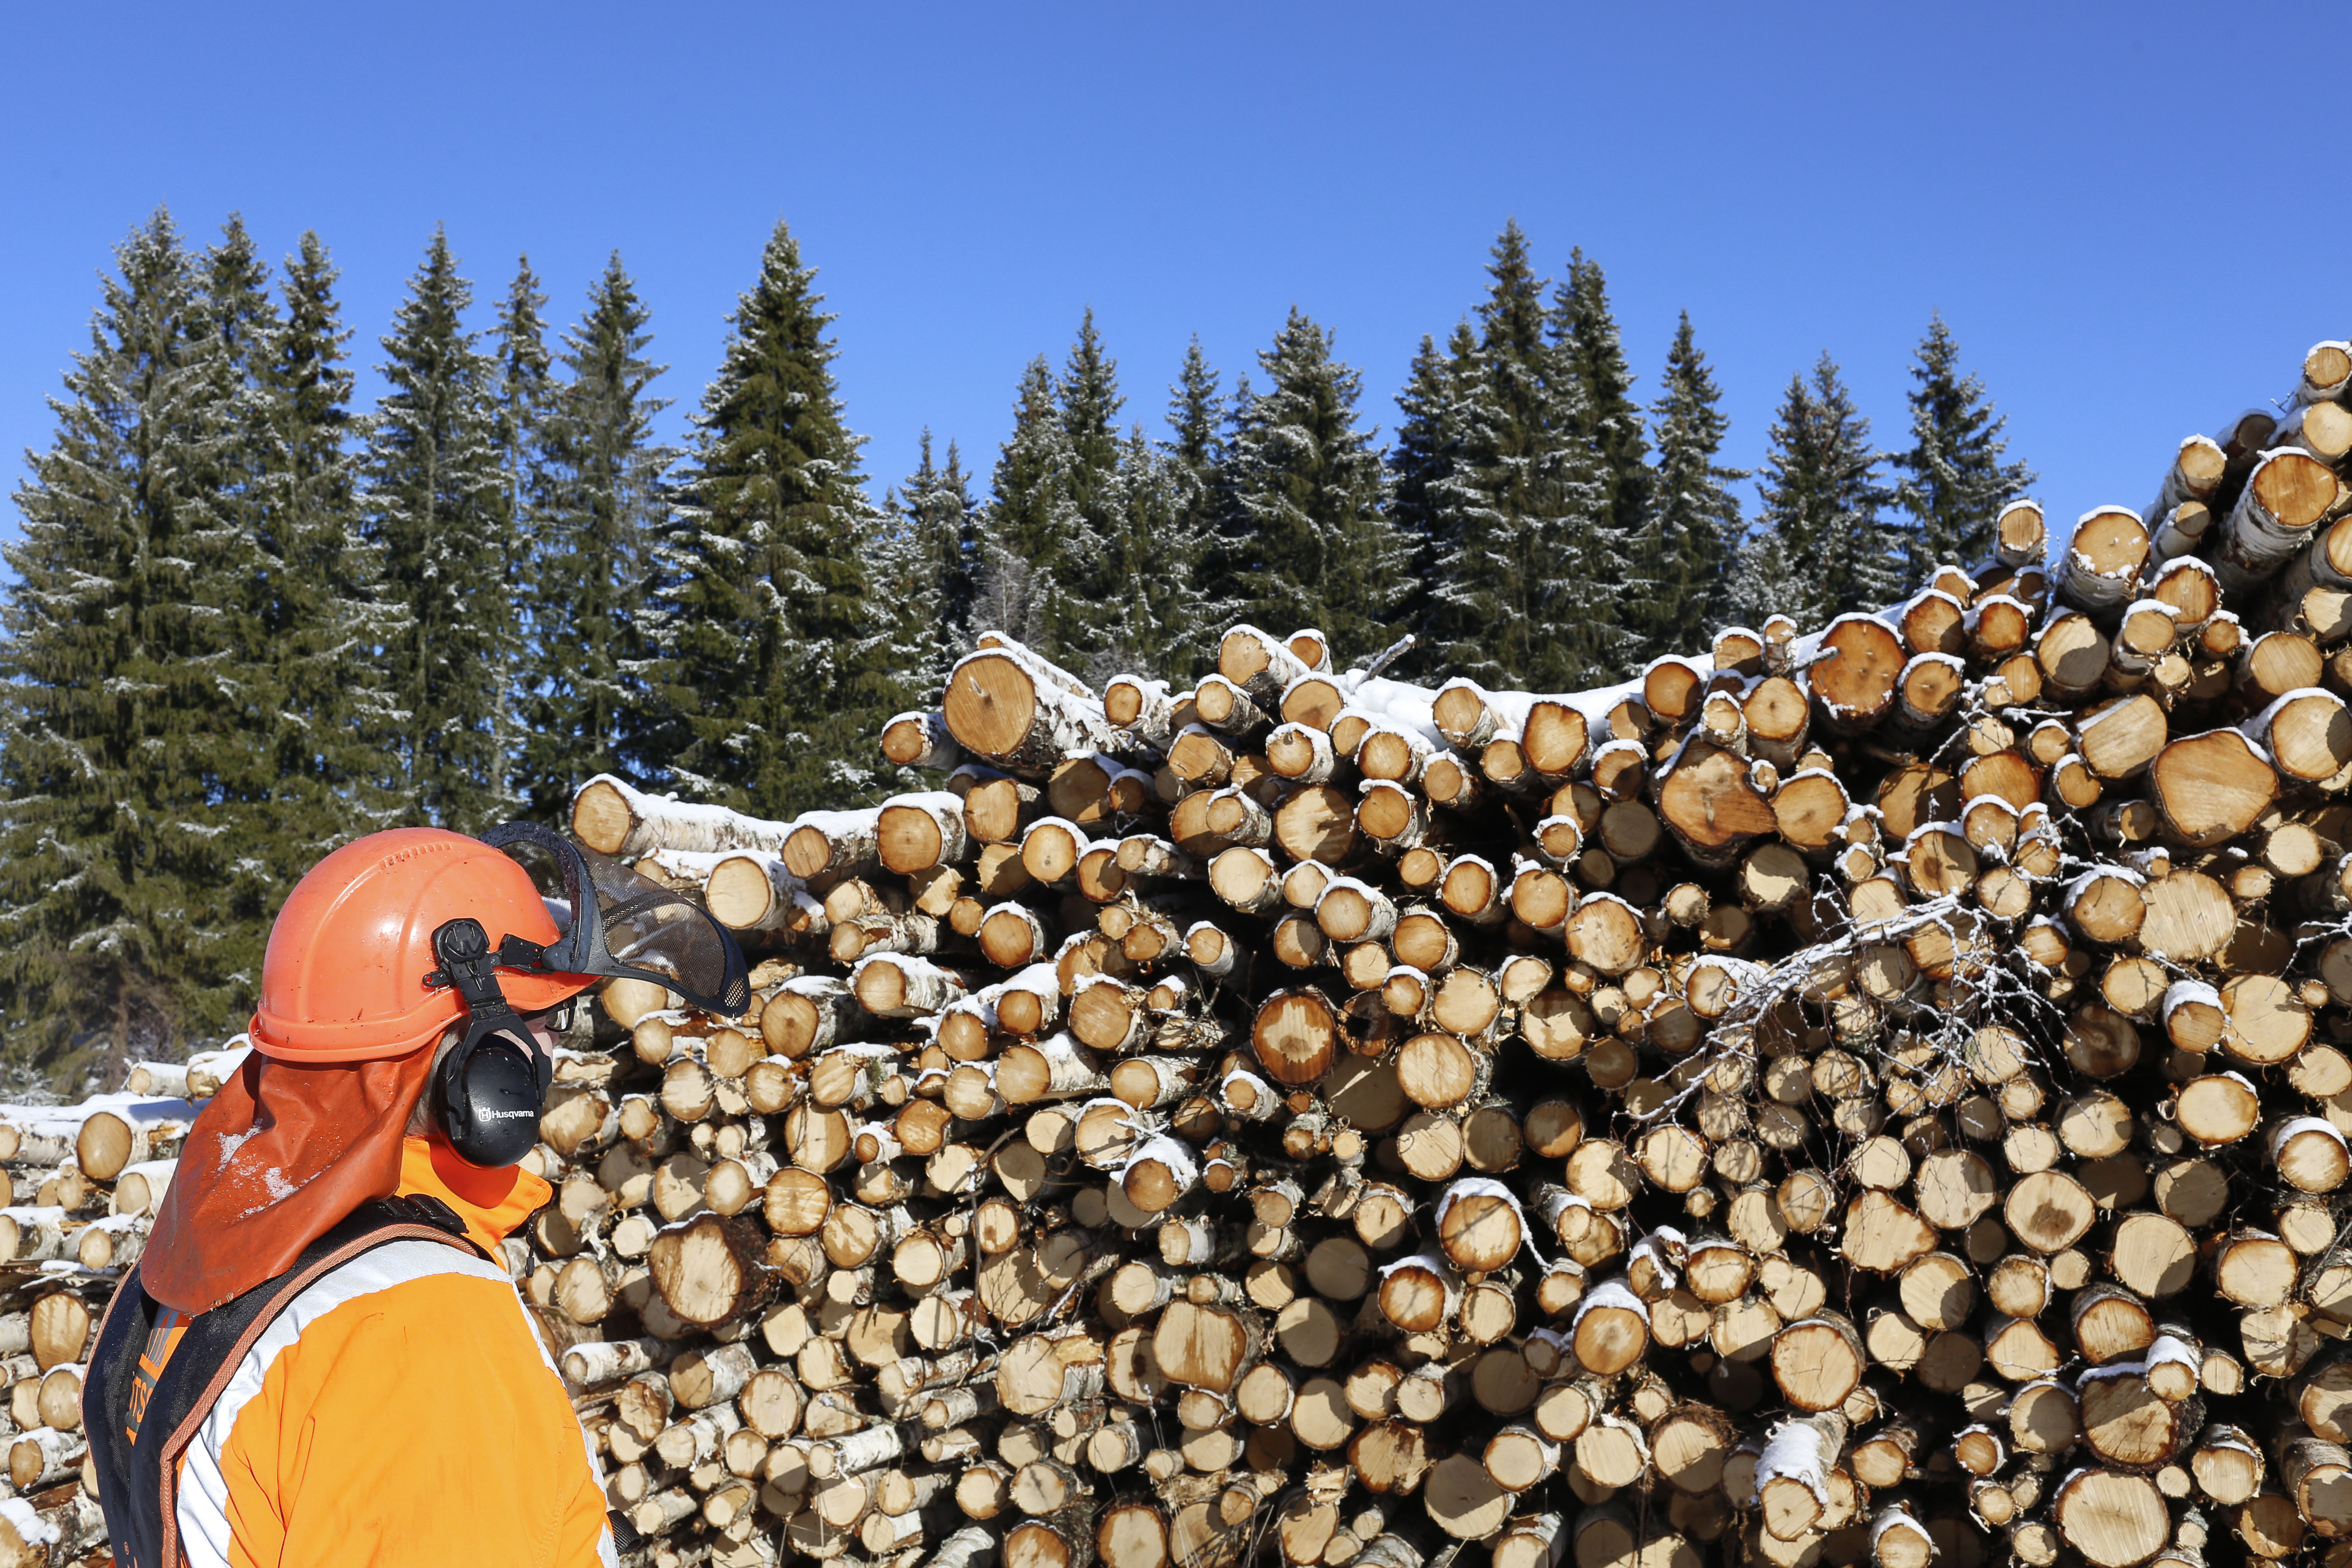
x=157, y=1373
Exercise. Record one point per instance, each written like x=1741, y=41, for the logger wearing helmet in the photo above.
x=320, y=1357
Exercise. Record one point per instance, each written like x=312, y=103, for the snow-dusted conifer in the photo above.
x=587, y=702
x=774, y=654
x=1082, y=597
x=1087, y=392
x=125, y=918
x=232, y=311
x=1525, y=583
x=1422, y=457
x=236, y=302
x=1052, y=566
x=1955, y=480
x=1762, y=581
x=1156, y=614
x=1172, y=494
x=1196, y=415
x=1306, y=540
x=435, y=499
x=1029, y=528
x=526, y=395
x=328, y=747
x=1822, y=509
x=1682, y=552
x=926, y=563
x=1586, y=329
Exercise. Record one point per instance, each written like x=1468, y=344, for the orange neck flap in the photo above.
x=274, y=1161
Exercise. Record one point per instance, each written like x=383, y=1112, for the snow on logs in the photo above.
x=614, y=817
x=1021, y=713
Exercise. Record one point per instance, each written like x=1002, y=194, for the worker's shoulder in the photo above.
x=410, y=1284
x=362, y=1421
x=356, y=1343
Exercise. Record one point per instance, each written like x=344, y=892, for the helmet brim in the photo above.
x=373, y=1039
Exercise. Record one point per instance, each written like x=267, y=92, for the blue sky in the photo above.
x=2122, y=210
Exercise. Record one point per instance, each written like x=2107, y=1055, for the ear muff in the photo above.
x=486, y=1092
x=486, y=1095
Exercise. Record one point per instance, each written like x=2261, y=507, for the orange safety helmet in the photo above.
x=343, y=980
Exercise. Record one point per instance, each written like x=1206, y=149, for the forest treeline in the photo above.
x=250, y=620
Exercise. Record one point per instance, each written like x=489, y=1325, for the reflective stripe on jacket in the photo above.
x=398, y=1411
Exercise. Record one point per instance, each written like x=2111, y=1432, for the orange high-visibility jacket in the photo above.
x=401, y=1413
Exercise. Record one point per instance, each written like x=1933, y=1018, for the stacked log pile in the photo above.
x=1873, y=1093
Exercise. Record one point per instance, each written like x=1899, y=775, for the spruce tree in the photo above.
x=951, y=535
x=1767, y=580
x=332, y=721
x=237, y=304
x=435, y=500
x=591, y=539
x=129, y=920
x=1955, y=480
x=1090, y=401
x=774, y=651
x=1196, y=416
x=1824, y=546
x=1172, y=493
x=1092, y=593
x=1482, y=556
x=1522, y=583
x=1421, y=460
x=1115, y=581
x=1473, y=555
x=1683, y=547
x=1306, y=540
x=1157, y=614
x=526, y=394
x=1054, y=566
x=926, y=565
x=233, y=310
x=1586, y=327
x=1029, y=525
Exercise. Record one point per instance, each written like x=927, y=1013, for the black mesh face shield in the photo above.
x=617, y=923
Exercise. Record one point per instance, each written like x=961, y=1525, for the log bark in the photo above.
x=1006, y=705
x=615, y=818
x=2101, y=569
x=2288, y=492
